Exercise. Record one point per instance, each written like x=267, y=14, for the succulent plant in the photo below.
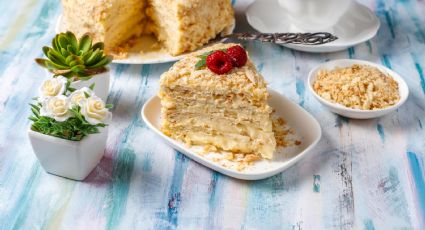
x=72, y=58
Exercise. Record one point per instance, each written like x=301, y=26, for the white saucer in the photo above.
x=145, y=43
x=306, y=128
x=358, y=25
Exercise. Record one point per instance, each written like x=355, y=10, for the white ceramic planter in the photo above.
x=101, y=81
x=70, y=159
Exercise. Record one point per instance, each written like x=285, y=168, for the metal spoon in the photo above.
x=317, y=38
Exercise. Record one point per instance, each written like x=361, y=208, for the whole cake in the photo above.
x=180, y=25
x=216, y=97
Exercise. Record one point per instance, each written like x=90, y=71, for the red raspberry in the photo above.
x=238, y=55
x=219, y=62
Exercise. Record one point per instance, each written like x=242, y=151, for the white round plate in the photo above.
x=142, y=52
x=306, y=128
x=357, y=113
x=358, y=25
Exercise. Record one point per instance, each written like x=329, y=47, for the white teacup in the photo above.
x=315, y=15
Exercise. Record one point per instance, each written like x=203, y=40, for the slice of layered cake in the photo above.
x=216, y=97
x=179, y=25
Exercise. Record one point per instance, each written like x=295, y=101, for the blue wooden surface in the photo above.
x=363, y=174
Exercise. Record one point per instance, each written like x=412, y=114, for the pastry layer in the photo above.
x=173, y=99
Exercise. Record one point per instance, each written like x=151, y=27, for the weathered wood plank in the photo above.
x=363, y=174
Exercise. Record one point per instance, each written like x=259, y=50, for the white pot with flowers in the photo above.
x=69, y=128
x=80, y=61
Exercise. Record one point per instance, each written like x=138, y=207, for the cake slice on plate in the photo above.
x=216, y=97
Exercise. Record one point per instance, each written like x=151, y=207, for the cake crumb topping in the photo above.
x=357, y=87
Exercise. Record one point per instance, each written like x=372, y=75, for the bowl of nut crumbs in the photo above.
x=357, y=89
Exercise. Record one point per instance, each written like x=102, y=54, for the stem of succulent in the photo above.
x=72, y=58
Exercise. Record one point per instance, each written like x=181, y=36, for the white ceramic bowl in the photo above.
x=357, y=113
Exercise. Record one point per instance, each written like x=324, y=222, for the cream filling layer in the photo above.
x=222, y=124
x=235, y=115
x=233, y=142
x=202, y=92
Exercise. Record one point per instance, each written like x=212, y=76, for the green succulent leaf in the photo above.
x=73, y=63
x=46, y=50
x=87, y=55
x=78, y=68
x=64, y=52
x=63, y=41
x=74, y=58
x=71, y=49
x=98, y=45
x=93, y=59
x=85, y=43
x=41, y=62
x=56, y=57
x=69, y=59
x=103, y=62
x=72, y=39
x=53, y=65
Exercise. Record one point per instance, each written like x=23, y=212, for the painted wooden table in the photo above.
x=363, y=174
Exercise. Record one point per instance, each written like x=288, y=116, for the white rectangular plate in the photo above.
x=306, y=128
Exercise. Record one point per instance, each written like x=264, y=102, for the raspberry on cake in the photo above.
x=180, y=25
x=219, y=62
x=226, y=110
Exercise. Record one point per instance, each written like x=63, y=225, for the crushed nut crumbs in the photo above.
x=357, y=87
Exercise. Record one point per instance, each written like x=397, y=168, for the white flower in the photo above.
x=52, y=87
x=56, y=107
x=93, y=109
x=79, y=96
